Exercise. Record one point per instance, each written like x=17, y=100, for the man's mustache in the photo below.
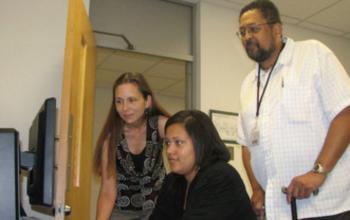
x=251, y=42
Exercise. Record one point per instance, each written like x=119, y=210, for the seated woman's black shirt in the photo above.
x=216, y=193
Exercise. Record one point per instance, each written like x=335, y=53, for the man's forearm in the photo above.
x=246, y=162
x=337, y=140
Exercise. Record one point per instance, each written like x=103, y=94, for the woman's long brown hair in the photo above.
x=112, y=128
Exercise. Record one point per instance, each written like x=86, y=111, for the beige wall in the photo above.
x=31, y=63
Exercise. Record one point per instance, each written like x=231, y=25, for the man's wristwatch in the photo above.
x=318, y=168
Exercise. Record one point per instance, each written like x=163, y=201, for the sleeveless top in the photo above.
x=140, y=177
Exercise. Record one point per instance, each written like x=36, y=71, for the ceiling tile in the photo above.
x=163, y=74
x=331, y=15
x=298, y=9
x=302, y=9
x=159, y=83
x=320, y=28
x=106, y=78
x=347, y=35
x=129, y=62
x=289, y=20
x=102, y=54
x=177, y=90
x=168, y=68
x=225, y=3
x=239, y=2
x=336, y=17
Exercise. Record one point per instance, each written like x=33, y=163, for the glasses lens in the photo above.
x=254, y=28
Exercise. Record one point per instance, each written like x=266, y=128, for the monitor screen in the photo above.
x=41, y=176
x=9, y=170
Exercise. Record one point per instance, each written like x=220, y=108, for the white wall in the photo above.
x=87, y=6
x=223, y=63
x=31, y=62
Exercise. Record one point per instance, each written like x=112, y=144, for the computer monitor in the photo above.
x=9, y=174
x=40, y=159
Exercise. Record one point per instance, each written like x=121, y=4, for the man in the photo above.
x=295, y=121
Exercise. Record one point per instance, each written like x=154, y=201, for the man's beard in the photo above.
x=261, y=54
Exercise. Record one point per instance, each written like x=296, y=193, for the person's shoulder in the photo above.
x=220, y=174
x=172, y=179
x=248, y=80
x=225, y=166
x=309, y=42
x=159, y=119
x=162, y=119
x=313, y=45
x=251, y=75
x=161, y=124
x=221, y=169
x=172, y=175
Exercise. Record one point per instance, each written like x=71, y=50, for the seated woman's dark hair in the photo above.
x=207, y=143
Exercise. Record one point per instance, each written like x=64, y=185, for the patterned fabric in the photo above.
x=307, y=89
x=138, y=188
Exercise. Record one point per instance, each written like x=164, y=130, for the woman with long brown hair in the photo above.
x=128, y=153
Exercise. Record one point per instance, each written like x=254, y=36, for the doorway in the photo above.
x=152, y=37
x=166, y=76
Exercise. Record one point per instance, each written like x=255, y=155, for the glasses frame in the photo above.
x=251, y=29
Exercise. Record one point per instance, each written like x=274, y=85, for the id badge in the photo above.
x=255, y=133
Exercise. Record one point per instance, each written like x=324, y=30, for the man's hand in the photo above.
x=258, y=203
x=302, y=186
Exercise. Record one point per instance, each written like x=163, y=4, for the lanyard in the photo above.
x=259, y=101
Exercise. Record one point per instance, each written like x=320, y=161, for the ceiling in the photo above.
x=167, y=76
x=327, y=16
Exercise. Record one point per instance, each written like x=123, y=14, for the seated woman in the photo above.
x=202, y=185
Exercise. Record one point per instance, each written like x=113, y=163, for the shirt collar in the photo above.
x=284, y=58
x=287, y=52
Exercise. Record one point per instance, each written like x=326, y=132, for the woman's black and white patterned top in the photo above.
x=140, y=177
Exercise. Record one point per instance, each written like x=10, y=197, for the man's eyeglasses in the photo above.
x=252, y=29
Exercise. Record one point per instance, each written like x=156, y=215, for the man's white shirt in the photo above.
x=307, y=89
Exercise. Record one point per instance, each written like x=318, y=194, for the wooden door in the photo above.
x=75, y=147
